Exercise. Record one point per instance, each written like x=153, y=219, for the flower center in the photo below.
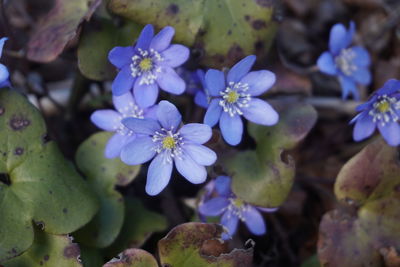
x=238, y=202
x=145, y=65
x=344, y=61
x=385, y=110
x=238, y=206
x=168, y=142
x=234, y=98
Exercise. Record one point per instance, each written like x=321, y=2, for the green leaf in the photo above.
x=58, y=27
x=48, y=251
x=139, y=224
x=36, y=182
x=91, y=257
x=367, y=223
x=134, y=258
x=198, y=245
x=266, y=169
x=103, y=175
x=96, y=43
x=246, y=27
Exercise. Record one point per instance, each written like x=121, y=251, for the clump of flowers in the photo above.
x=381, y=111
x=167, y=142
x=349, y=64
x=220, y=200
x=236, y=95
x=3, y=69
x=195, y=85
x=148, y=66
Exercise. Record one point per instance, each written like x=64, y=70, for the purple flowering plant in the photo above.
x=195, y=85
x=349, y=64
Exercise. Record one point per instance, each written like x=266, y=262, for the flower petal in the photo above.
x=202, y=155
x=115, y=145
x=254, y=221
x=145, y=38
x=240, y=69
x=151, y=112
x=159, y=174
x=349, y=34
x=390, y=87
x=337, y=39
x=3, y=73
x=267, y=209
x=348, y=87
x=213, y=113
x=168, y=115
x=145, y=94
x=214, y=206
x=2, y=41
x=124, y=103
x=259, y=81
x=215, y=82
x=390, y=132
x=189, y=169
x=106, y=119
x=162, y=39
x=362, y=75
x=362, y=57
x=123, y=82
x=223, y=185
x=170, y=82
x=196, y=132
x=364, y=127
x=141, y=126
x=260, y=112
x=120, y=56
x=139, y=151
x=175, y=55
x=231, y=128
x=326, y=64
x=201, y=99
x=230, y=221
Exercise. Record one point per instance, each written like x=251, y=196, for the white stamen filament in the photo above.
x=173, y=146
x=345, y=61
x=234, y=98
x=148, y=76
x=384, y=110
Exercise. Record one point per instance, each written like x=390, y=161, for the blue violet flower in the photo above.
x=236, y=95
x=223, y=202
x=195, y=85
x=3, y=69
x=349, y=64
x=149, y=65
x=381, y=111
x=110, y=120
x=168, y=143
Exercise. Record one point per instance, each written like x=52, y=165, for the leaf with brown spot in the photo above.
x=133, y=258
x=58, y=27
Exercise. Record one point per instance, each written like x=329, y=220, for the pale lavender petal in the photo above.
x=362, y=57
x=214, y=206
x=202, y=155
x=145, y=94
x=3, y=73
x=140, y=150
x=390, y=132
x=215, y=82
x=106, y=119
x=213, y=113
x=121, y=56
x=2, y=41
x=196, y=132
x=230, y=221
x=142, y=126
x=123, y=82
x=260, y=112
x=326, y=64
x=175, y=55
x=362, y=75
x=364, y=127
x=253, y=220
x=168, y=115
x=188, y=168
x=240, y=69
x=348, y=87
x=124, y=103
x=259, y=81
x=151, y=112
x=115, y=145
x=267, y=209
x=159, y=174
x=145, y=37
x=201, y=99
x=350, y=34
x=337, y=39
x=231, y=128
x=223, y=185
x=170, y=82
x=162, y=39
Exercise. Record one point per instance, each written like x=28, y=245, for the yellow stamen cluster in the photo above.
x=146, y=64
x=168, y=142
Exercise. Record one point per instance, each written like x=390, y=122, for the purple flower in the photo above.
x=195, y=85
x=236, y=96
x=165, y=141
x=232, y=209
x=110, y=120
x=149, y=65
x=382, y=110
x=349, y=64
x=3, y=69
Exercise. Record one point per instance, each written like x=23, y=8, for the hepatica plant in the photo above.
x=148, y=66
x=349, y=64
